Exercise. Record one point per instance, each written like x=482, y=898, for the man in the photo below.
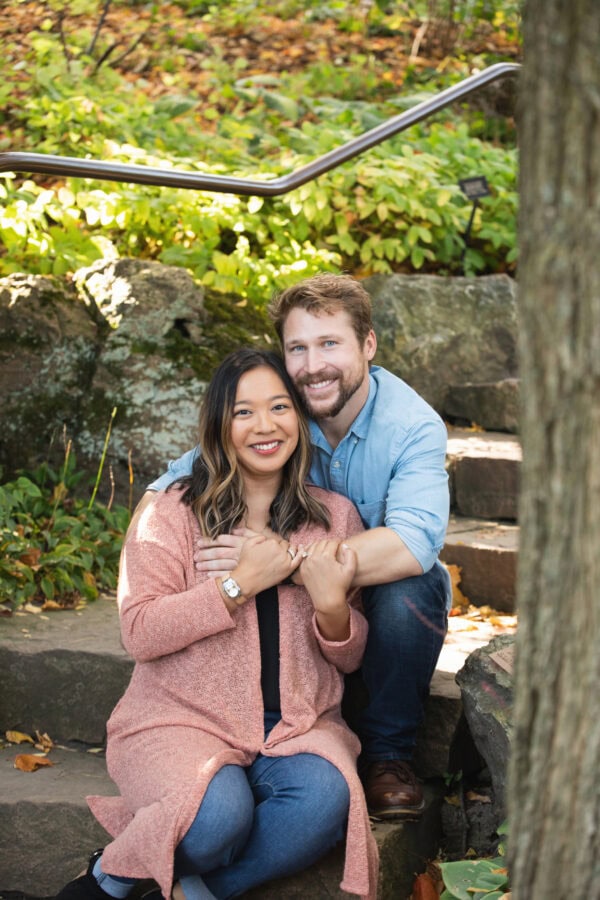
x=380, y=444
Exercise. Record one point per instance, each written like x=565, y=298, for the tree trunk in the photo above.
x=554, y=802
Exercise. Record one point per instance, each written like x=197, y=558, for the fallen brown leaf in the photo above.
x=17, y=737
x=478, y=798
x=31, y=557
x=32, y=608
x=52, y=604
x=44, y=742
x=458, y=598
x=29, y=762
x=424, y=888
x=503, y=621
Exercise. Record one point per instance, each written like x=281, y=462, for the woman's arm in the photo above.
x=161, y=612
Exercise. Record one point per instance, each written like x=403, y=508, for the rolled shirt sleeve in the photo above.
x=177, y=468
x=417, y=501
x=391, y=464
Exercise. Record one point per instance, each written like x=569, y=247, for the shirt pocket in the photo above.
x=372, y=514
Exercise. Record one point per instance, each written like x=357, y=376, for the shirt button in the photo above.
x=337, y=464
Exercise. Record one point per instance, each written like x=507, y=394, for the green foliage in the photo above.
x=396, y=208
x=469, y=878
x=475, y=11
x=53, y=546
x=465, y=879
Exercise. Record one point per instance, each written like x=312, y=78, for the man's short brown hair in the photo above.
x=326, y=293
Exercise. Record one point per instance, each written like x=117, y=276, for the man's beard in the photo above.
x=346, y=391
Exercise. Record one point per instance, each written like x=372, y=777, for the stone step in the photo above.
x=47, y=834
x=486, y=553
x=484, y=470
x=46, y=829
x=494, y=405
x=63, y=672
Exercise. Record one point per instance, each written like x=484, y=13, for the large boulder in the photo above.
x=133, y=335
x=143, y=369
x=48, y=348
x=439, y=332
x=486, y=685
x=160, y=347
x=475, y=806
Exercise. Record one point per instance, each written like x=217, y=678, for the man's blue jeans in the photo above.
x=408, y=620
x=274, y=818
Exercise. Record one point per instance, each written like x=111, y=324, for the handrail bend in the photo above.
x=108, y=171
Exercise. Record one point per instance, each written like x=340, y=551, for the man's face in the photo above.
x=326, y=362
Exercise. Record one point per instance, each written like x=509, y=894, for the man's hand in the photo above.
x=217, y=558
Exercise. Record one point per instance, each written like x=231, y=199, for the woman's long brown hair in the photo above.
x=215, y=489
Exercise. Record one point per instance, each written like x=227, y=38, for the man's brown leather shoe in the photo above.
x=392, y=790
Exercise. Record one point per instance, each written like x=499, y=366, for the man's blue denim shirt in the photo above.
x=391, y=464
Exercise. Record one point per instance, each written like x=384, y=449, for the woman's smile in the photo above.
x=267, y=449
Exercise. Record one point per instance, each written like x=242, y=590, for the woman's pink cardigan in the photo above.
x=194, y=703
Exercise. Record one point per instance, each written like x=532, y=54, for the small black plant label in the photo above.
x=475, y=187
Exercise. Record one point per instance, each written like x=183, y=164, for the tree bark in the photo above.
x=554, y=795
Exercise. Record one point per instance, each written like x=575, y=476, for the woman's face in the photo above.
x=264, y=427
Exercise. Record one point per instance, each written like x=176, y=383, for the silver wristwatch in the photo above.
x=231, y=588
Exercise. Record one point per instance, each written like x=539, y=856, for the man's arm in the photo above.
x=407, y=541
x=177, y=468
x=382, y=557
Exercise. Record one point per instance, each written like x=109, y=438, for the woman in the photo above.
x=228, y=747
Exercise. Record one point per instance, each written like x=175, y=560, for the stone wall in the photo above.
x=144, y=338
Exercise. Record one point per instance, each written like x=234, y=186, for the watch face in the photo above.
x=231, y=588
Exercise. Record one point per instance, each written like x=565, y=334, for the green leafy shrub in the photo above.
x=54, y=546
x=396, y=208
x=482, y=878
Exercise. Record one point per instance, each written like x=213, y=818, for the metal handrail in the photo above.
x=108, y=171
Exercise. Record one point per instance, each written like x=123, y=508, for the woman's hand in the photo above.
x=327, y=571
x=218, y=557
x=264, y=562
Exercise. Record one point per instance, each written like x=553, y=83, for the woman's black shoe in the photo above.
x=87, y=888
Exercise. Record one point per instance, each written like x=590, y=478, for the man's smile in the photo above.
x=319, y=385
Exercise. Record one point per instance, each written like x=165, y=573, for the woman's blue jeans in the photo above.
x=275, y=817
x=408, y=620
